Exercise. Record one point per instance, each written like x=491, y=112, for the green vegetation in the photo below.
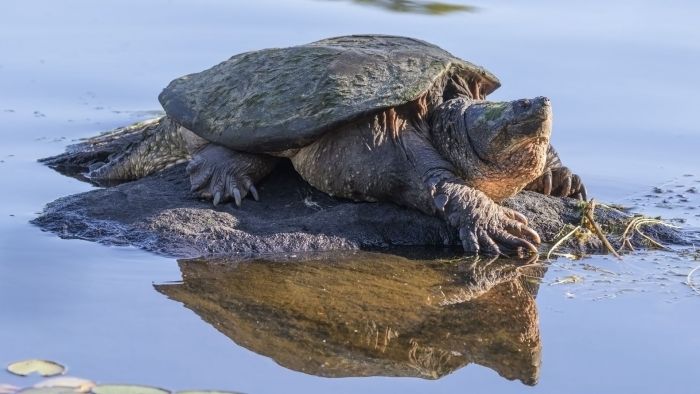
x=494, y=111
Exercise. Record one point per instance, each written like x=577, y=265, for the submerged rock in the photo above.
x=160, y=214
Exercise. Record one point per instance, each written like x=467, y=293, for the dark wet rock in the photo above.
x=371, y=314
x=160, y=214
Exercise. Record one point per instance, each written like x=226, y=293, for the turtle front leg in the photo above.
x=225, y=175
x=557, y=180
x=484, y=226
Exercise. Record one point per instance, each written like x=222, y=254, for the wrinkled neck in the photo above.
x=449, y=135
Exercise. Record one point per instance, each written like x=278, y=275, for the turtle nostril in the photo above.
x=543, y=100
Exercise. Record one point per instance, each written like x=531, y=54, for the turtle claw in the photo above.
x=515, y=215
x=489, y=229
x=224, y=175
x=583, y=194
x=254, y=192
x=237, y=196
x=547, y=179
x=559, y=182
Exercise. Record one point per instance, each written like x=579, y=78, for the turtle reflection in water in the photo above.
x=370, y=314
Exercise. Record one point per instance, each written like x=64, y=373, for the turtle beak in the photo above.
x=532, y=118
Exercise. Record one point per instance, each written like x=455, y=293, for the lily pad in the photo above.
x=42, y=367
x=79, y=385
x=127, y=389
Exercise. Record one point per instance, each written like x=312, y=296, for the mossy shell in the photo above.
x=282, y=98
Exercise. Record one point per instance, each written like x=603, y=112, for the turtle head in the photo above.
x=497, y=147
x=498, y=129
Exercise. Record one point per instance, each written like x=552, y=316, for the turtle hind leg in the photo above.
x=161, y=146
x=90, y=153
x=222, y=174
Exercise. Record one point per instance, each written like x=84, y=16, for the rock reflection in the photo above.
x=371, y=314
x=417, y=6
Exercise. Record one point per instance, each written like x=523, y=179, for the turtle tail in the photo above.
x=161, y=146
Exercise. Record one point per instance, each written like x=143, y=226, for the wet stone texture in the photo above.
x=160, y=214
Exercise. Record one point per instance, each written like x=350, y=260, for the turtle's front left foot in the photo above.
x=559, y=182
x=222, y=174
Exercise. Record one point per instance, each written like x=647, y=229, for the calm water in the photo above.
x=623, y=81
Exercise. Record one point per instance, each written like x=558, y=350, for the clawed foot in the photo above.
x=490, y=229
x=224, y=175
x=559, y=182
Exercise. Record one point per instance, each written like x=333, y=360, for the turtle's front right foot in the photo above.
x=223, y=175
x=484, y=226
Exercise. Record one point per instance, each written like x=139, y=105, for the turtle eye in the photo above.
x=524, y=104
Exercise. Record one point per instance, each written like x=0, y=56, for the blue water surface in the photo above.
x=623, y=80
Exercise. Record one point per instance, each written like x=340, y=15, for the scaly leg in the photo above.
x=484, y=226
x=160, y=145
x=223, y=174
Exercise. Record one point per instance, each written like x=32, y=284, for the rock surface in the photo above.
x=158, y=213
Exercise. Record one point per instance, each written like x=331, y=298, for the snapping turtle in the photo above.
x=369, y=118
